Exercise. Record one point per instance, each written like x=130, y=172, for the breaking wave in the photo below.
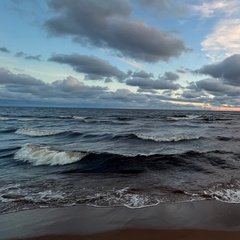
x=44, y=155
x=229, y=192
x=176, y=138
x=183, y=117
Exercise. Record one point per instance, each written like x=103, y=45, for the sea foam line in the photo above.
x=36, y=132
x=167, y=138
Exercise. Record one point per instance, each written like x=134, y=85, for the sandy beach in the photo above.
x=192, y=220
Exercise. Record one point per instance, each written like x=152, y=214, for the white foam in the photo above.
x=36, y=132
x=122, y=197
x=79, y=118
x=4, y=118
x=187, y=117
x=167, y=138
x=225, y=195
x=44, y=155
x=229, y=193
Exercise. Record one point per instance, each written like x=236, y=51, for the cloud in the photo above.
x=109, y=25
x=94, y=68
x=213, y=85
x=192, y=94
x=4, y=49
x=142, y=74
x=68, y=88
x=165, y=8
x=125, y=95
x=9, y=78
x=25, y=89
x=169, y=76
x=181, y=71
x=20, y=54
x=36, y=58
x=146, y=83
x=228, y=70
x=218, y=88
x=224, y=41
x=213, y=8
x=75, y=88
x=28, y=57
x=223, y=86
x=212, y=91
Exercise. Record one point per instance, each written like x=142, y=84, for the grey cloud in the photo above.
x=146, y=84
x=213, y=85
x=67, y=88
x=192, y=94
x=169, y=76
x=140, y=90
x=221, y=93
x=108, y=80
x=228, y=70
x=108, y=24
x=36, y=58
x=9, y=78
x=192, y=91
x=181, y=71
x=217, y=88
x=71, y=91
x=4, y=49
x=94, y=67
x=165, y=8
x=126, y=96
x=28, y=57
x=74, y=88
x=25, y=88
x=142, y=74
x=20, y=54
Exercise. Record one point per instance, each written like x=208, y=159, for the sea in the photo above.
x=58, y=157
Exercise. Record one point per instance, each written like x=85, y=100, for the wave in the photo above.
x=124, y=118
x=4, y=118
x=56, y=194
x=79, y=118
x=183, y=117
x=155, y=138
x=44, y=155
x=168, y=138
x=8, y=130
x=36, y=132
x=221, y=138
x=65, y=117
x=211, y=119
x=224, y=192
x=44, y=133
x=100, y=163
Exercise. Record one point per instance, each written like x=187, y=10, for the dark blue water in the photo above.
x=110, y=157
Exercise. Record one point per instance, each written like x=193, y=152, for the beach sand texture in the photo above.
x=192, y=220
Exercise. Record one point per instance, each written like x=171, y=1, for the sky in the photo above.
x=153, y=54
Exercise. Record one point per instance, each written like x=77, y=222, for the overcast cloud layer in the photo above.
x=21, y=87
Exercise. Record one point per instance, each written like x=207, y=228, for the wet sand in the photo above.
x=140, y=234
x=193, y=220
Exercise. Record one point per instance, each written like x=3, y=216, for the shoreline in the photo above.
x=88, y=222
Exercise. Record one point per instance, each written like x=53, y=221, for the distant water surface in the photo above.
x=52, y=157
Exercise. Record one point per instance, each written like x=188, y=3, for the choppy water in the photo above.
x=107, y=157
